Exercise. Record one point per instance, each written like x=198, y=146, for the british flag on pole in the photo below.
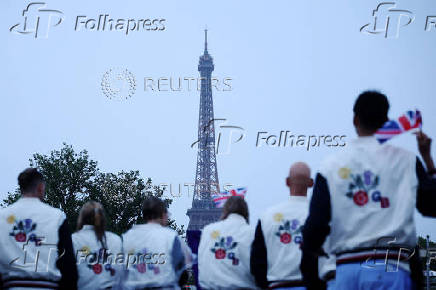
x=221, y=198
x=406, y=122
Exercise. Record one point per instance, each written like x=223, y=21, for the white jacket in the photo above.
x=281, y=227
x=372, y=195
x=28, y=238
x=96, y=271
x=161, y=259
x=224, y=254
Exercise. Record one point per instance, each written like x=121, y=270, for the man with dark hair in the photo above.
x=30, y=231
x=155, y=253
x=370, y=112
x=365, y=197
x=154, y=208
x=275, y=252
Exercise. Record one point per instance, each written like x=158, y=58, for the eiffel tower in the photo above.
x=203, y=209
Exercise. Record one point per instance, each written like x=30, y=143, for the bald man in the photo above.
x=275, y=252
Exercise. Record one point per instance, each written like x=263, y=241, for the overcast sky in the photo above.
x=294, y=65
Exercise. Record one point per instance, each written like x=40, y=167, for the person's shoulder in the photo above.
x=128, y=233
x=397, y=151
x=113, y=240
x=211, y=227
x=50, y=210
x=169, y=231
x=274, y=209
x=332, y=160
x=113, y=236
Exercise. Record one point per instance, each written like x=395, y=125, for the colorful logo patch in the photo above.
x=97, y=260
x=363, y=187
x=142, y=267
x=224, y=247
x=288, y=231
x=23, y=230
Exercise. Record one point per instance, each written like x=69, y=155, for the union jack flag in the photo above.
x=408, y=121
x=221, y=198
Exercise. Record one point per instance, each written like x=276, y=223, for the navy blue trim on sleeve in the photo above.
x=258, y=258
x=315, y=231
x=177, y=258
x=66, y=262
x=426, y=193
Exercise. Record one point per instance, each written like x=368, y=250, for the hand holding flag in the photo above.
x=406, y=122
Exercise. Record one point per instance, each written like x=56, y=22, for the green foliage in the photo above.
x=73, y=179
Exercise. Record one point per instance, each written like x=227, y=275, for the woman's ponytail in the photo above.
x=92, y=213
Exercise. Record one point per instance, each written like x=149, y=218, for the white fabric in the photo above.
x=30, y=227
x=283, y=245
x=95, y=272
x=229, y=268
x=361, y=224
x=155, y=269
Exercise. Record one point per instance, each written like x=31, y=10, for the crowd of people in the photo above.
x=357, y=230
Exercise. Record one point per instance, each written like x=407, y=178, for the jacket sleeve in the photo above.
x=258, y=258
x=66, y=262
x=315, y=231
x=426, y=193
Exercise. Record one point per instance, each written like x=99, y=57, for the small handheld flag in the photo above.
x=221, y=198
x=406, y=122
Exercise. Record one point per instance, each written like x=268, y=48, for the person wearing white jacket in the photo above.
x=275, y=254
x=95, y=249
x=36, y=249
x=364, y=199
x=154, y=252
x=224, y=249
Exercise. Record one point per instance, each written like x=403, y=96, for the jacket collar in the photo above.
x=88, y=227
x=293, y=198
x=29, y=199
x=236, y=217
x=365, y=141
x=148, y=225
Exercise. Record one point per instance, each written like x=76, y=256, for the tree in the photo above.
x=73, y=179
x=122, y=194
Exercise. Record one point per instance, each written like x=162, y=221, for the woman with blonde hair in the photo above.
x=224, y=250
x=95, y=248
